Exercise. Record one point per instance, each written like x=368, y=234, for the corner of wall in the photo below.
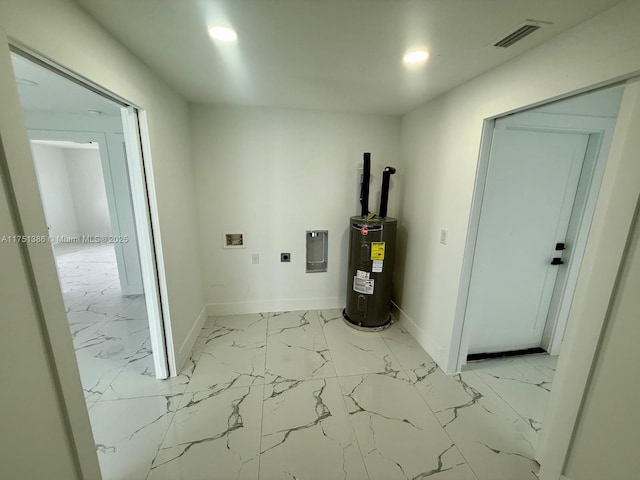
x=425, y=340
x=187, y=345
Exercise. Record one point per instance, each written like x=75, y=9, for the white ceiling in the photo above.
x=54, y=93
x=342, y=55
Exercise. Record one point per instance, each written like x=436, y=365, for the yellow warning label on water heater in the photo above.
x=377, y=251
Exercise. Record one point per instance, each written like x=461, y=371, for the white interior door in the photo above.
x=530, y=189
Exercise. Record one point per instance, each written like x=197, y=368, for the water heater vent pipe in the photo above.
x=384, y=196
x=364, y=188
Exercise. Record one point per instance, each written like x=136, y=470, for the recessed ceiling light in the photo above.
x=415, y=56
x=224, y=34
x=26, y=83
x=95, y=113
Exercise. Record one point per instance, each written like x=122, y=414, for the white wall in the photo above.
x=53, y=179
x=610, y=406
x=32, y=378
x=73, y=192
x=274, y=174
x=34, y=442
x=87, y=188
x=62, y=31
x=440, y=143
x=601, y=103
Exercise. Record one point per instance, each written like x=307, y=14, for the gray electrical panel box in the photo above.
x=317, y=250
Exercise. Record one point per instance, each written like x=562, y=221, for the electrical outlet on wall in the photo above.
x=255, y=258
x=444, y=235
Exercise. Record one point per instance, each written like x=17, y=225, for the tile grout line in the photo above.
x=118, y=374
x=512, y=409
x=262, y=399
x=406, y=371
x=526, y=421
x=533, y=447
x=110, y=383
x=449, y=436
x=353, y=430
x=540, y=370
x=164, y=435
x=391, y=352
x=342, y=394
x=326, y=342
x=166, y=432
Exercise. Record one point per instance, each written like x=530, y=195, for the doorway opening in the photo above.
x=87, y=152
x=101, y=286
x=538, y=180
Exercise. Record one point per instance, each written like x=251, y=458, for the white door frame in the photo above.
x=143, y=202
x=600, y=131
x=598, y=150
x=145, y=210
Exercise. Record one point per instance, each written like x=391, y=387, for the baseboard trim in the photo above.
x=130, y=291
x=430, y=346
x=189, y=342
x=264, y=306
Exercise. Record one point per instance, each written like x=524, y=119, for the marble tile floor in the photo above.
x=300, y=395
x=110, y=331
x=522, y=382
x=295, y=395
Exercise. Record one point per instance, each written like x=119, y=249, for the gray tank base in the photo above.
x=368, y=305
x=363, y=328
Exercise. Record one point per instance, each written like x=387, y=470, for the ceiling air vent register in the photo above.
x=523, y=30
